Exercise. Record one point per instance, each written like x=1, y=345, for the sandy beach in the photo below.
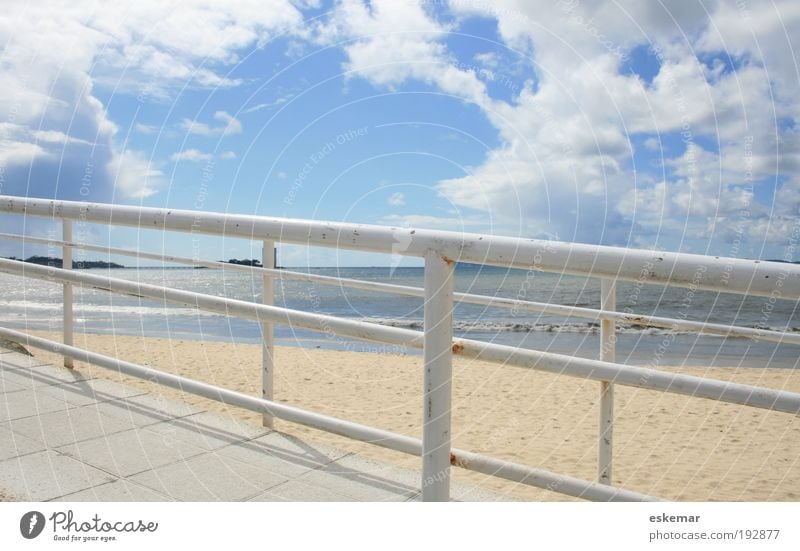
x=670, y=446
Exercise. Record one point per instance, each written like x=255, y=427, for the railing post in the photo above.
x=438, y=359
x=267, y=347
x=608, y=340
x=66, y=256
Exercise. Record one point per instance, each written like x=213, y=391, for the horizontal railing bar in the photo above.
x=288, y=274
x=495, y=302
x=639, y=377
x=680, y=269
x=531, y=476
x=221, y=305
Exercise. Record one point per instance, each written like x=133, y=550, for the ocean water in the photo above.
x=36, y=305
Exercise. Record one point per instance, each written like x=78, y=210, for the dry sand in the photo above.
x=666, y=445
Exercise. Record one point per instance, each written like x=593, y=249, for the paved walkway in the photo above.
x=67, y=438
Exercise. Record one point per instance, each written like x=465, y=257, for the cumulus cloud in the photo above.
x=191, y=155
x=397, y=199
x=145, y=128
x=134, y=175
x=229, y=125
x=719, y=111
x=56, y=54
x=389, y=43
x=566, y=162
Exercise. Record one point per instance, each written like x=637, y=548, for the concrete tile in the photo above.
x=8, y=386
x=144, y=409
x=100, y=430
x=282, y=454
x=67, y=427
x=364, y=480
x=209, y=477
x=41, y=376
x=14, y=445
x=26, y=403
x=17, y=360
x=209, y=430
x=119, y=490
x=127, y=453
x=350, y=463
x=295, y=490
x=47, y=475
x=81, y=393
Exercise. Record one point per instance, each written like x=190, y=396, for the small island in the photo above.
x=244, y=262
x=76, y=264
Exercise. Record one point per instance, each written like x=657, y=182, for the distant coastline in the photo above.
x=55, y=262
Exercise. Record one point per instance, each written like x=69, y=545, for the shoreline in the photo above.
x=669, y=446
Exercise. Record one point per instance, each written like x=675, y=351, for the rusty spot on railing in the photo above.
x=455, y=461
x=458, y=348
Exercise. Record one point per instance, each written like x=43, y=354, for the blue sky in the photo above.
x=659, y=125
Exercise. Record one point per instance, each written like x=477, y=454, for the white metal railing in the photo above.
x=468, y=298
x=440, y=250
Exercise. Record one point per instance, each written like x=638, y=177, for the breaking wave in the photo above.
x=588, y=327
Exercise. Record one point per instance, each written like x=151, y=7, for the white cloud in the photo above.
x=228, y=155
x=191, y=155
x=389, y=43
x=565, y=160
x=652, y=144
x=258, y=107
x=134, y=175
x=161, y=45
x=397, y=199
x=55, y=54
x=230, y=125
x=144, y=128
x=20, y=153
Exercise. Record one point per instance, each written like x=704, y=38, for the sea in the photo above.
x=29, y=304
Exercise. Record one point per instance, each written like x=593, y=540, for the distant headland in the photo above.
x=56, y=262
x=76, y=264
